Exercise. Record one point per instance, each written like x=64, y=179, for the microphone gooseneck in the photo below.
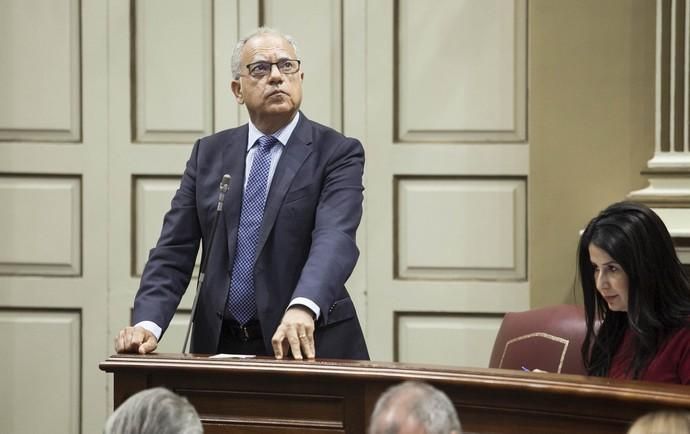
x=224, y=186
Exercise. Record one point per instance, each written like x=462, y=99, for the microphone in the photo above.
x=224, y=186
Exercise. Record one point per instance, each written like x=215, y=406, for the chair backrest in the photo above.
x=548, y=338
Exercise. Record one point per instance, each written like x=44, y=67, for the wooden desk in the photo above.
x=329, y=396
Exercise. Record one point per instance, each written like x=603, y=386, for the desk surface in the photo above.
x=259, y=394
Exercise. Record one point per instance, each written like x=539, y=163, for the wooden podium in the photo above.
x=262, y=395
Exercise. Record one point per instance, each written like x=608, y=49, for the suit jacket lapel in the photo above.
x=296, y=151
x=234, y=158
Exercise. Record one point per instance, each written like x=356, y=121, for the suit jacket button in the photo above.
x=219, y=315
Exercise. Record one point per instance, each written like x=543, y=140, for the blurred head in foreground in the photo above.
x=662, y=422
x=154, y=411
x=414, y=408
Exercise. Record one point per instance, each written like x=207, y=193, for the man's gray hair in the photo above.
x=154, y=411
x=235, y=61
x=421, y=402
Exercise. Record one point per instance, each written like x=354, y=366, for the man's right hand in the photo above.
x=135, y=340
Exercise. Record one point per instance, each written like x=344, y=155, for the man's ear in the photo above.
x=237, y=91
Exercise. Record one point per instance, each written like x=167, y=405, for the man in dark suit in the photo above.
x=285, y=244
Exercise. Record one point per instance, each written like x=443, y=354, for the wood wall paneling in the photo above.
x=40, y=225
x=468, y=338
x=40, y=71
x=470, y=87
x=172, y=45
x=461, y=228
x=41, y=372
x=447, y=163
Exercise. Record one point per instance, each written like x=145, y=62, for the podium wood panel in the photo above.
x=264, y=395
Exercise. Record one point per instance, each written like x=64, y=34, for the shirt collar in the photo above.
x=283, y=134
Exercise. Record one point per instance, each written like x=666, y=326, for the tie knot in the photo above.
x=267, y=142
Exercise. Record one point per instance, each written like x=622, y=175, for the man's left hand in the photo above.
x=295, y=333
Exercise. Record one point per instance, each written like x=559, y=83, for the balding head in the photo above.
x=414, y=408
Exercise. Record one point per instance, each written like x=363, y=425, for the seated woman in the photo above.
x=636, y=296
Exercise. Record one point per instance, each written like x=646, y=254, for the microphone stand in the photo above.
x=224, y=185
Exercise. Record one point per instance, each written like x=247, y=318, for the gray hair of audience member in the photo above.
x=236, y=61
x=662, y=422
x=154, y=411
x=417, y=402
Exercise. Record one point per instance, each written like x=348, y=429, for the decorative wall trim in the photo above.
x=41, y=225
x=407, y=109
x=431, y=321
x=171, y=91
x=40, y=127
x=461, y=231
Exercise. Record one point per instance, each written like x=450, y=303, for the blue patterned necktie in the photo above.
x=241, y=299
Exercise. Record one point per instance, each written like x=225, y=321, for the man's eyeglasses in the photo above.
x=262, y=69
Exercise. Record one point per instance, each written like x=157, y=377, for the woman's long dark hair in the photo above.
x=658, y=293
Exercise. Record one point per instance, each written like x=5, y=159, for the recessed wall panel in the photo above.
x=461, y=229
x=457, y=339
x=317, y=27
x=40, y=225
x=41, y=365
x=174, y=335
x=151, y=202
x=173, y=70
x=462, y=79
x=40, y=96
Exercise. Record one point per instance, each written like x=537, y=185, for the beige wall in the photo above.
x=591, y=124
